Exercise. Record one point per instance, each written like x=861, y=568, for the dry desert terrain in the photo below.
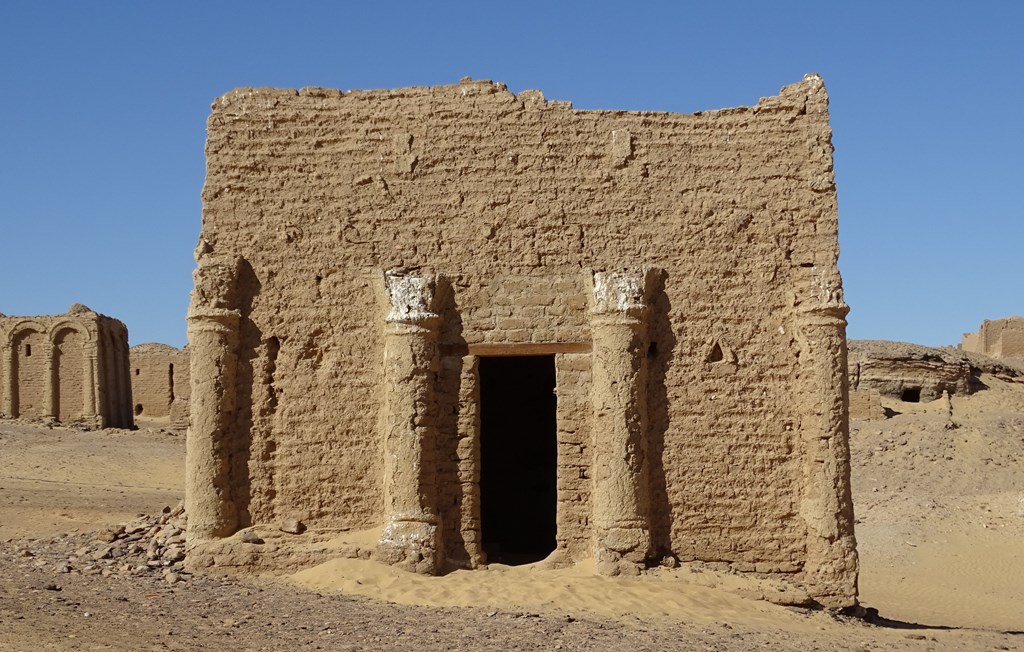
x=939, y=497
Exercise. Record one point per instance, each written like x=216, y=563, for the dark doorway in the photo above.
x=911, y=395
x=519, y=456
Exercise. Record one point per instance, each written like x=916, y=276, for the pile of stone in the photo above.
x=147, y=546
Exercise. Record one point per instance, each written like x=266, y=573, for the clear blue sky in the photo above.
x=103, y=108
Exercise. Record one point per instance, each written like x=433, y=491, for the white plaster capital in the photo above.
x=621, y=291
x=410, y=298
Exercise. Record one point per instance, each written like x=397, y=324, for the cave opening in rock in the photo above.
x=911, y=395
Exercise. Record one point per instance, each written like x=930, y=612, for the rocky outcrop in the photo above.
x=909, y=372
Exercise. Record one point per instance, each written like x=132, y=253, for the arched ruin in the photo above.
x=71, y=368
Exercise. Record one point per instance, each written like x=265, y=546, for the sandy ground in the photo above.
x=57, y=480
x=939, y=500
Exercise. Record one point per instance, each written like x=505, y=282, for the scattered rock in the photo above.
x=146, y=545
x=111, y=535
x=293, y=526
x=251, y=537
x=102, y=553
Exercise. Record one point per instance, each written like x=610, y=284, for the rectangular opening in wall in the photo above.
x=518, y=458
x=911, y=395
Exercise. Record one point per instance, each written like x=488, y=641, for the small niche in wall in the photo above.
x=138, y=409
x=28, y=350
x=721, y=359
x=716, y=354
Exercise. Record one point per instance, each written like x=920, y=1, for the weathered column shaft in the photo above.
x=213, y=342
x=9, y=379
x=89, y=386
x=51, y=389
x=830, y=569
x=412, y=534
x=619, y=329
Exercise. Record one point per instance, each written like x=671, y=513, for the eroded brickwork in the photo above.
x=160, y=382
x=998, y=338
x=866, y=405
x=703, y=418
x=72, y=368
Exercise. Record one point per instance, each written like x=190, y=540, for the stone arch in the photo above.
x=69, y=382
x=58, y=329
x=22, y=326
x=30, y=369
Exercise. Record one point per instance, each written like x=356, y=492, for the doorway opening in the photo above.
x=518, y=458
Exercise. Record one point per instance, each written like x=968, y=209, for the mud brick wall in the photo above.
x=998, y=338
x=160, y=378
x=72, y=368
x=574, y=455
x=516, y=202
x=866, y=405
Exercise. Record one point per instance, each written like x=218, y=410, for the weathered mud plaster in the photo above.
x=826, y=505
x=459, y=457
x=213, y=338
x=618, y=323
x=412, y=533
x=701, y=418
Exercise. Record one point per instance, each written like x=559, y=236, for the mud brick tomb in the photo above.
x=493, y=328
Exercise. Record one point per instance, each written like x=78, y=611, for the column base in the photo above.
x=623, y=551
x=412, y=545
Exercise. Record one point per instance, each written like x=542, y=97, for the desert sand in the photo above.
x=939, y=498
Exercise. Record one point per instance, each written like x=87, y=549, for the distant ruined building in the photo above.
x=1002, y=339
x=489, y=327
x=160, y=383
x=72, y=368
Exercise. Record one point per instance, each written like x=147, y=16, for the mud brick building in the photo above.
x=998, y=338
x=72, y=368
x=496, y=328
x=160, y=382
